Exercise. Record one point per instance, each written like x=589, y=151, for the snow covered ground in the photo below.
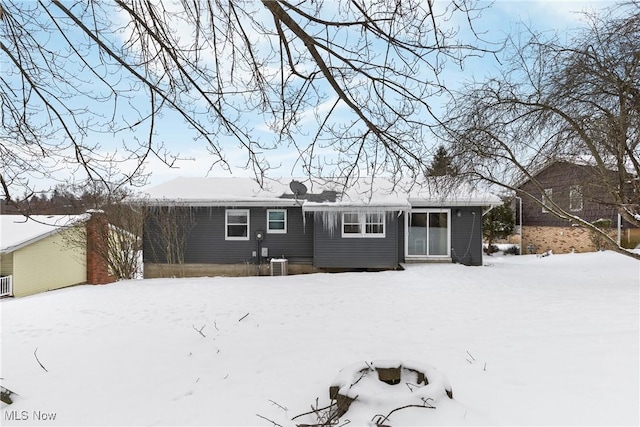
x=521, y=340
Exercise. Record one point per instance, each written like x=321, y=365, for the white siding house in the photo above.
x=34, y=256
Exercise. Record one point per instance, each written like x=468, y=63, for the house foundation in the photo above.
x=154, y=271
x=560, y=240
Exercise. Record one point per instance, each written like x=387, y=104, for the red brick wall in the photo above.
x=97, y=238
x=560, y=240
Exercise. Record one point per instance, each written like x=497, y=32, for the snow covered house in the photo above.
x=232, y=226
x=575, y=186
x=35, y=256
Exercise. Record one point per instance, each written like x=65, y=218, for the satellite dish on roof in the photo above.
x=298, y=188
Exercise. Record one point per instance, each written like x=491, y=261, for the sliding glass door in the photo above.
x=428, y=233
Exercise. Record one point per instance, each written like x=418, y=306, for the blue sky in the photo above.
x=496, y=22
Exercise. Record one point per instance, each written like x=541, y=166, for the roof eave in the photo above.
x=220, y=203
x=457, y=203
x=382, y=207
x=18, y=246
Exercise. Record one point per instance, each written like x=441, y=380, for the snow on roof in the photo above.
x=365, y=192
x=216, y=191
x=17, y=231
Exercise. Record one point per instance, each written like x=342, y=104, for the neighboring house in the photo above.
x=576, y=188
x=218, y=226
x=35, y=256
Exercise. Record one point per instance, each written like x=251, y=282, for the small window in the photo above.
x=277, y=221
x=351, y=224
x=237, y=224
x=362, y=225
x=547, y=198
x=575, y=198
x=374, y=224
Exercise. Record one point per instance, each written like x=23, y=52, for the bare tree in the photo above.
x=168, y=228
x=120, y=239
x=87, y=84
x=577, y=101
x=124, y=240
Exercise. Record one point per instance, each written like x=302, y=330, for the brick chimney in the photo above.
x=97, y=239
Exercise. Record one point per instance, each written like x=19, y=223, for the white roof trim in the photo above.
x=28, y=242
x=453, y=202
x=337, y=206
x=260, y=202
x=61, y=222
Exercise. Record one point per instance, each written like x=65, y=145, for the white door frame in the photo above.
x=426, y=256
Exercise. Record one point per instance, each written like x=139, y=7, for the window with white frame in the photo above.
x=351, y=224
x=277, y=221
x=374, y=224
x=547, y=197
x=356, y=224
x=237, y=224
x=575, y=198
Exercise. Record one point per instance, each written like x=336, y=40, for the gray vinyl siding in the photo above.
x=333, y=251
x=466, y=235
x=206, y=240
x=400, y=231
x=310, y=241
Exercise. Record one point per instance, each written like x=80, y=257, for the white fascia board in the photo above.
x=443, y=203
x=30, y=241
x=323, y=207
x=220, y=203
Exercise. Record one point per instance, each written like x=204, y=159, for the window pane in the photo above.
x=351, y=218
x=237, y=230
x=276, y=215
x=438, y=233
x=236, y=218
x=575, y=198
x=352, y=228
x=374, y=229
x=374, y=218
x=418, y=234
x=275, y=225
x=374, y=224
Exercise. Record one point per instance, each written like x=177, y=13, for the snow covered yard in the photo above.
x=522, y=341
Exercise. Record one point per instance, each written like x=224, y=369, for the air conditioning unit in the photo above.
x=279, y=267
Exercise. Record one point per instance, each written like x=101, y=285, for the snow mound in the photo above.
x=377, y=392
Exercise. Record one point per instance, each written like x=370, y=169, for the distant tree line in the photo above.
x=62, y=200
x=121, y=239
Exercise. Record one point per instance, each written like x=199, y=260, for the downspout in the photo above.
x=488, y=210
x=620, y=230
x=520, y=223
x=405, y=232
x=482, y=232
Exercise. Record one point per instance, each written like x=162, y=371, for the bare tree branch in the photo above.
x=348, y=85
x=574, y=101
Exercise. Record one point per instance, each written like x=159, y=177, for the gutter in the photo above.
x=218, y=203
x=491, y=206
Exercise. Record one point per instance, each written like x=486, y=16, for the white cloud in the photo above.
x=545, y=14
